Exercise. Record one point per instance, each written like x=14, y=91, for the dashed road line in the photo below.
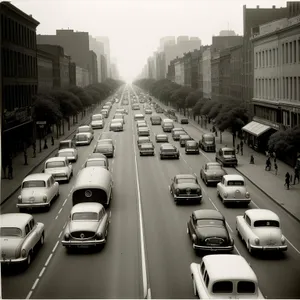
x=35, y=284
x=60, y=234
x=56, y=217
x=42, y=272
x=60, y=210
x=29, y=295
x=54, y=248
x=65, y=201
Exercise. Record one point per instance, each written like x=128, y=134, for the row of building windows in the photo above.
x=287, y=88
x=291, y=52
x=16, y=33
x=266, y=58
x=18, y=65
x=17, y=96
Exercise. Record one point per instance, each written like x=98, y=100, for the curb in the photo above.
x=258, y=187
x=37, y=165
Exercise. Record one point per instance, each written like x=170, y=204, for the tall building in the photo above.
x=182, y=38
x=151, y=68
x=98, y=48
x=103, y=63
x=224, y=42
x=45, y=71
x=105, y=41
x=227, y=33
x=206, y=67
x=93, y=67
x=114, y=71
x=167, y=40
x=160, y=65
x=19, y=77
x=236, y=69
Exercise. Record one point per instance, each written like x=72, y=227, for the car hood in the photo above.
x=212, y=231
x=56, y=170
x=9, y=245
x=268, y=232
x=187, y=185
x=33, y=192
x=83, y=226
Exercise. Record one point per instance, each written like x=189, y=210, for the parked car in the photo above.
x=147, y=149
x=21, y=236
x=167, y=125
x=148, y=111
x=59, y=167
x=260, y=229
x=208, y=142
x=70, y=153
x=232, y=188
x=141, y=124
x=87, y=226
x=106, y=149
x=184, y=121
x=37, y=190
x=226, y=156
x=84, y=138
x=185, y=187
x=161, y=138
x=120, y=116
x=191, y=146
x=105, y=112
x=168, y=150
x=116, y=126
x=106, y=141
x=143, y=139
x=224, y=276
x=143, y=131
x=67, y=144
x=183, y=138
x=97, y=121
x=212, y=172
x=208, y=231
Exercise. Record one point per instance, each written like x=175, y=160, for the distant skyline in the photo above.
x=134, y=27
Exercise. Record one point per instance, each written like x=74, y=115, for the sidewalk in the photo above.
x=270, y=184
x=20, y=171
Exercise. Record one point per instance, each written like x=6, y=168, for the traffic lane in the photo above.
x=114, y=272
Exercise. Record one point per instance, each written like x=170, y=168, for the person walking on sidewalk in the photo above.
x=237, y=149
x=276, y=168
x=241, y=146
x=268, y=164
x=252, y=159
x=297, y=174
x=287, y=180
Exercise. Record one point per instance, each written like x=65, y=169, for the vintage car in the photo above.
x=105, y=148
x=120, y=111
x=208, y=231
x=226, y=156
x=212, y=172
x=208, y=142
x=260, y=229
x=116, y=126
x=224, y=276
x=82, y=139
x=87, y=226
x=86, y=129
x=107, y=107
x=118, y=116
x=105, y=112
x=148, y=111
x=167, y=125
x=70, y=153
x=138, y=117
x=177, y=133
x=143, y=131
x=93, y=185
x=67, y=144
x=97, y=162
x=183, y=138
x=105, y=141
x=20, y=235
x=146, y=149
x=59, y=167
x=37, y=190
x=185, y=187
x=118, y=120
x=168, y=150
x=136, y=106
x=161, y=138
x=141, y=124
x=143, y=139
x=184, y=121
x=97, y=121
x=191, y=146
x=155, y=120
x=232, y=188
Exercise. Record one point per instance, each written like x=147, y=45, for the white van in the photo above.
x=167, y=125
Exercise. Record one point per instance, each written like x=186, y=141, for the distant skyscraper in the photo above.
x=166, y=40
x=105, y=41
x=227, y=33
x=182, y=38
x=98, y=48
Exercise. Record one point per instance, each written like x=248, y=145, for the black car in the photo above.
x=168, y=151
x=184, y=121
x=191, y=147
x=146, y=149
x=208, y=231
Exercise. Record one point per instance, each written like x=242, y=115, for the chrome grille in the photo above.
x=82, y=234
x=215, y=241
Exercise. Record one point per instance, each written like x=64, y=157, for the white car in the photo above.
x=232, y=189
x=85, y=129
x=116, y=126
x=59, y=167
x=97, y=121
x=119, y=116
x=118, y=121
x=105, y=112
x=83, y=138
x=224, y=276
x=70, y=153
x=260, y=229
x=38, y=190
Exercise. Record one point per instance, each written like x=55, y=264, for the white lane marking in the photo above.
x=42, y=272
x=29, y=295
x=54, y=248
x=65, y=224
x=35, y=284
x=60, y=234
x=60, y=210
x=56, y=217
x=48, y=260
x=65, y=202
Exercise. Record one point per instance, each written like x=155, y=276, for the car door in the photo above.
x=246, y=227
x=70, y=167
x=36, y=235
x=173, y=185
x=31, y=237
x=192, y=225
x=222, y=187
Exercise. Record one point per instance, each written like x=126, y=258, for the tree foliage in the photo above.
x=192, y=98
x=206, y=108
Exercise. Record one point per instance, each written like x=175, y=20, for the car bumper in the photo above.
x=97, y=126
x=214, y=180
x=60, y=178
x=83, y=143
x=13, y=260
x=89, y=243
x=169, y=155
x=176, y=138
x=229, y=162
x=147, y=152
x=116, y=129
x=212, y=248
x=31, y=205
x=167, y=129
x=269, y=248
x=161, y=141
x=234, y=200
x=209, y=148
x=192, y=151
x=188, y=197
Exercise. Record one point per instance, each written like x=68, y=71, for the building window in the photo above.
x=299, y=50
x=274, y=89
x=295, y=51
x=266, y=61
x=295, y=88
x=270, y=57
x=283, y=54
x=283, y=88
x=274, y=57
x=286, y=53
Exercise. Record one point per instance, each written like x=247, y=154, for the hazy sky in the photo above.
x=134, y=27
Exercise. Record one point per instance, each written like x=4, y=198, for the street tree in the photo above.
x=193, y=98
x=84, y=97
x=179, y=95
x=206, y=108
x=215, y=110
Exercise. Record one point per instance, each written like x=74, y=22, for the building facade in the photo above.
x=98, y=48
x=187, y=62
x=196, y=56
x=179, y=71
x=236, y=71
x=224, y=75
x=72, y=73
x=19, y=74
x=215, y=75
x=171, y=71
x=160, y=66
x=93, y=67
x=82, y=77
x=206, y=71
x=105, y=41
x=103, y=64
x=45, y=71
x=224, y=42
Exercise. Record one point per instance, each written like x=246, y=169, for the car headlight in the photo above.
x=247, y=195
x=282, y=240
x=256, y=241
x=99, y=236
x=198, y=191
x=45, y=198
x=67, y=236
x=225, y=195
x=23, y=253
x=177, y=191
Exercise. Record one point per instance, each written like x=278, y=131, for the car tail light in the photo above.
x=23, y=253
x=19, y=199
x=256, y=241
x=225, y=195
x=282, y=240
x=247, y=195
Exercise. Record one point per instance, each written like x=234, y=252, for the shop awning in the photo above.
x=256, y=128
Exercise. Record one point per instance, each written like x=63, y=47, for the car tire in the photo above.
x=249, y=247
x=42, y=239
x=22, y=210
x=47, y=207
x=194, y=287
x=141, y=154
x=29, y=258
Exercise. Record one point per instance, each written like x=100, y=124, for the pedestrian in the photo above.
x=268, y=164
x=252, y=159
x=274, y=155
x=287, y=180
x=10, y=168
x=296, y=175
x=34, y=149
x=275, y=167
x=52, y=140
x=241, y=146
x=237, y=149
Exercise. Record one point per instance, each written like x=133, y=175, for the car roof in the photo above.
x=104, y=109
x=213, y=164
x=167, y=145
x=177, y=128
x=98, y=155
x=65, y=141
x=116, y=123
x=185, y=176
x=57, y=158
x=191, y=142
x=105, y=141
x=256, y=214
x=144, y=145
x=86, y=207
x=37, y=176
x=208, y=214
x=138, y=115
x=83, y=133
x=96, y=115
x=84, y=126
x=228, y=266
x=143, y=138
x=234, y=177
x=161, y=134
x=167, y=120
x=227, y=149
x=184, y=135
x=15, y=220
x=208, y=134
x=66, y=150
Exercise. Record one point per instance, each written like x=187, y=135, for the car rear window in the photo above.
x=95, y=163
x=34, y=184
x=55, y=164
x=222, y=287
x=82, y=216
x=266, y=223
x=246, y=287
x=81, y=137
x=10, y=231
x=65, y=154
x=229, y=152
x=235, y=183
x=84, y=129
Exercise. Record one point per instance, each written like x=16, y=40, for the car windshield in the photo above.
x=179, y=132
x=83, y=129
x=81, y=137
x=65, y=154
x=186, y=180
x=97, y=118
x=184, y=137
x=235, y=183
x=209, y=138
x=209, y=222
x=10, y=232
x=144, y=141
x=246, y=287
x=33, y=184
x=116, y=124
x=55, y=164
x=85, y=216
x=266, y=223
x=191, y=143
x=162, y=136
x=95, y=163
x=168, y=123
x=229, y=152
x=213, y=167
x=104, y=142
x=64, y=145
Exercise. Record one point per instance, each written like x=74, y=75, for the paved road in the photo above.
x=116, y=272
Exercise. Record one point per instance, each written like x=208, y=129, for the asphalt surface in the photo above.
x=117, y=270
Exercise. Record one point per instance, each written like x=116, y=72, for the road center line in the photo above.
x=42, y=272
x=54, y=248
x=35, y=284
x=29, y=295
x=48, y=260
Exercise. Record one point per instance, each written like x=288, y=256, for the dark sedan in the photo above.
x=106, y=149
x=212, y=172
x=146, y=149
x=183, y=138
x=191, y=147
x=168, y=151
x=184, y=121
x=161, y=138
x=208, y=231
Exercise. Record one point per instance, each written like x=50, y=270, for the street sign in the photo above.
x=41, y=123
